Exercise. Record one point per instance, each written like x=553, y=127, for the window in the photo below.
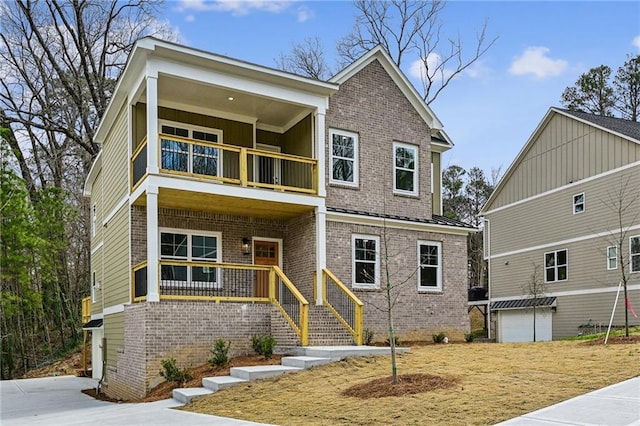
x=94, y=296
x=612, y=257
x=430, y=265
x=178, y=155
x=344, y=157
x=366, y=263
x=188, y=246
x=634, y=253
x=94, y=220
x=405, y=164
x=555, y=266
x=578, y=203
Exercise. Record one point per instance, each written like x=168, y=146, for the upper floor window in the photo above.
x=181, y=156
x=634, y=253
x=612, y=257
x=405, y=165
x=578, y=203
x=430, y=265
x=94, y=220
x=196, y=246
x=366, y=262
x=555, y=266
x=343, y=157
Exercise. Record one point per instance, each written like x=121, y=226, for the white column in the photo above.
x=320, y=147
x=152, y=124
x=321, y=249
x=153, y=293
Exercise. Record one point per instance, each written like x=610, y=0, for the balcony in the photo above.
x=228, y=164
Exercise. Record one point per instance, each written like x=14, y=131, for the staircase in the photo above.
x=324, y=330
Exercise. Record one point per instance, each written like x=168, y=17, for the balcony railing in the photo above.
x=229, y=164
x=227, y=282
x=343, y=304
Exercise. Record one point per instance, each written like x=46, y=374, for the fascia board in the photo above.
x=93, y=173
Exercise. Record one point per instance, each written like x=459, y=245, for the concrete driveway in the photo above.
x=58, y=401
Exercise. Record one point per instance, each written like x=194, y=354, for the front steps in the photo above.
x=305, y=358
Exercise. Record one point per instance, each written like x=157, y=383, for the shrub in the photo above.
x=367, y=336
x=468, y=337
x=172, y=373
x=220, y=353
x=395, y=340
x=439, y=337
x=263, y=345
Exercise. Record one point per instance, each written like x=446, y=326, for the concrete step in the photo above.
x=214, y=384
x=340, y=352
x=185, y=395
x=261, y=371
x=304, y=361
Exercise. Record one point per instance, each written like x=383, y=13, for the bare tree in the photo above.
x=306, y=58
x=626, y=84
x=405, y=28
x=536, y=289
x=623, y=203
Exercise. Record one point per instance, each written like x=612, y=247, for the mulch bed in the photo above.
x=615, y=340
x=408, y=384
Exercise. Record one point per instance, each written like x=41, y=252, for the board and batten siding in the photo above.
x=550, y=218
x=115, y=164
x=114, y=333
x=565, y=151
x=116, y=259
x=436, y=191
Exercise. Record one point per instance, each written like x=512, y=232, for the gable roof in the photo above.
x=378, y=53
x=626, y=129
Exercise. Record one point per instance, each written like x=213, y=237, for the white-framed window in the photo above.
x=366, y=261
x=197, y=158
x=429, y=265
x=94, y=220
x=94, y=288
x=634, y=253
x=343, y=157
x=556, y=266
x=195, y=246
x=578, y=203
x=612, y=257
x=405, y=168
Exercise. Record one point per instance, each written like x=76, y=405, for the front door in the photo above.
x=268, y=168
x=264, y=253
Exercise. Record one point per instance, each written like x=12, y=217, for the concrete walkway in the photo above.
x=615, y=405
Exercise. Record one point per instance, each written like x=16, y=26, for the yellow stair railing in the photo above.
x=345, y=305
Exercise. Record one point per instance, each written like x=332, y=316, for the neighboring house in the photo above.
x=553, y=211
x=231, y=199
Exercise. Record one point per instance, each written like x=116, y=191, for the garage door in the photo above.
x=517, y=325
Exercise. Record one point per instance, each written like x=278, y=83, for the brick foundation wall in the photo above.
x=184, y=330
x=371, y=105
x=417, y=315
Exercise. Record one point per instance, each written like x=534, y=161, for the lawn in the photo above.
x=494, y=382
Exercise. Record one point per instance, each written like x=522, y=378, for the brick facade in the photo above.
x=371, y=105
x=417, y=314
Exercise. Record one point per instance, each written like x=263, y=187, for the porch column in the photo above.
x=153, y=293
x=321, y=249
x=152, y=123
x=320, y=148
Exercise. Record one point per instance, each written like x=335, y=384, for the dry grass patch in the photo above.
x=495, y=382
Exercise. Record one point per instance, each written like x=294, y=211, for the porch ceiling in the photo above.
x=235, y=206
x=201, y=96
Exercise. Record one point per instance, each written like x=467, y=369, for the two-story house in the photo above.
x=566, y=215
x=231, y=199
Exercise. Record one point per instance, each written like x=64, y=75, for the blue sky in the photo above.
x=489, y=112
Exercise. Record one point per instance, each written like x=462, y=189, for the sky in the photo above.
x=489, y=111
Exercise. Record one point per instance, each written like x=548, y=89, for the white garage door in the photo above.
x=517, y=325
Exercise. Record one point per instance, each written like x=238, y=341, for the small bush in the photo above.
x=220, y=353
x=439, y=337
x=395, y=340
x=263, y=345
x=172, y=373
x=367, y=336
x=468, y=337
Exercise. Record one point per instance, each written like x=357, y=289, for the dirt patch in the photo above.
x=164, y=390
x=101, y=396
x=71, y=365
x=615, y=340
x=408, y=384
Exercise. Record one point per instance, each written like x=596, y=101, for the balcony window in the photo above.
x=181, y=156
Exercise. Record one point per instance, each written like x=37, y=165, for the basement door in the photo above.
x=264, y=253
x=517, y=325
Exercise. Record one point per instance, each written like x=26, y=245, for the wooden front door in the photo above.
x=264, y=253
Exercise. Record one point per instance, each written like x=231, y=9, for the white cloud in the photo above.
x=190, y=18
x=636, y=42
x=534, y=61
x=236, y=7
x=304, y=14
x=417, y=69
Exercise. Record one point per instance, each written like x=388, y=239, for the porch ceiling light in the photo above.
x=246, y=246
x=230, y=98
